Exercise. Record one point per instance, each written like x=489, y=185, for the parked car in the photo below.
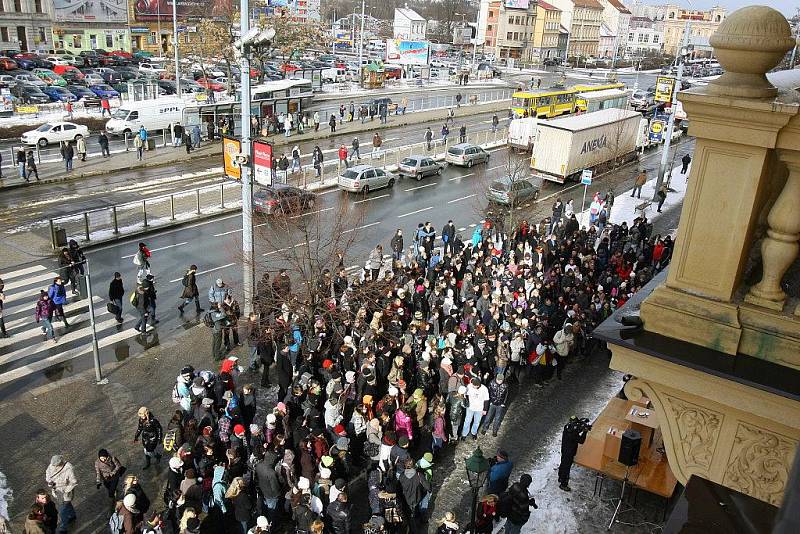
x=103, y=90
x=121, y=53
x=7, y=81
x=27, y=78
x=364, y=178
x=212, y=84
x=6, y=63
x=29, y=94
x=54, y=132
x=49, y=77
x=640, y=100
x=511, y=191
x=34, y=60
x=282, y=198
x=89, y=58
x=93, y=79
x=61, y=70
x=151, y=69
x=83, y=93
x=418, y=167
x=466, y=154
x=59, y=94
x=191, y=86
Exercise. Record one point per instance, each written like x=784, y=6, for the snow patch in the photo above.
x=6, y=497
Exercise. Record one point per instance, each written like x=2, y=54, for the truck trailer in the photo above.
x=597, y=141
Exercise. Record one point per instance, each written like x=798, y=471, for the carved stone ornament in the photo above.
x=760, y=462
x=748, y=43
x=698, y=432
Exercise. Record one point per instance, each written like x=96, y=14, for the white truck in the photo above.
x=596, y=141
x=156, y=114
x=522, y=133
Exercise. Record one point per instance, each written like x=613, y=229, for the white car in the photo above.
x=152, y=69
x=54, y=132
x=58, y=60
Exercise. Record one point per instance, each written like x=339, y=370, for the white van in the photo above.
x=155, y=114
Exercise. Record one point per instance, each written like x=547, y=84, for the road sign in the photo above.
x=586, y=177
x=665, y=86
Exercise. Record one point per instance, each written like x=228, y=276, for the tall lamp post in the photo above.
x=477, y=467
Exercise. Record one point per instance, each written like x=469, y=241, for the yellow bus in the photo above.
x=549, y=103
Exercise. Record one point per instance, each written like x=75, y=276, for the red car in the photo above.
x=121, y=53
x=289, y=67
x=211, y=84
x=6, y=63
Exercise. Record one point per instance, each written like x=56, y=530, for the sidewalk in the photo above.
x=54, y=172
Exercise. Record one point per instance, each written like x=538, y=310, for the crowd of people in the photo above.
x=377, y=389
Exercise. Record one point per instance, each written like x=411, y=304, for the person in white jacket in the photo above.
x=60, y=478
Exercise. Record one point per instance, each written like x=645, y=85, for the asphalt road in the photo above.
x=215, y=246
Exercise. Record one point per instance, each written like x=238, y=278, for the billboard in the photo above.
x=186, y=9
x=230, y=149
x=407, y=52
x=262, y=162
x=516, y=4
x=664, y=89
x=90, y=10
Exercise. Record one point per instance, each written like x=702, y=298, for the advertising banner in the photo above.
x=262, y=162
x=664, y=88
x=230, y=149
x=407, y=52
x=91, y=10
x=516, y=4
x=657, y=127
x=186, y=9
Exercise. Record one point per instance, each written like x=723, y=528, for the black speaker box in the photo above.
x=629, y=448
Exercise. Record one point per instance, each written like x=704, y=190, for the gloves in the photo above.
x=98, y=485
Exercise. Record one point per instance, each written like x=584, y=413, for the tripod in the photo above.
x=619, y=510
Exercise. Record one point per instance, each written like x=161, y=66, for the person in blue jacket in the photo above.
x=499, y=473
x=58, y=295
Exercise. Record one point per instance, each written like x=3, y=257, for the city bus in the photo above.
x=549, y=103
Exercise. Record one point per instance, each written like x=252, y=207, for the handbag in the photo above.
x=112, y=308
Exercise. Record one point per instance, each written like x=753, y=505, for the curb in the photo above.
x=282, y=141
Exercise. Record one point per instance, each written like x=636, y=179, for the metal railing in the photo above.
x=137, y=216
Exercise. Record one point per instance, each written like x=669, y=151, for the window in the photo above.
x=655, y=39
x=18, y=6
x=37, y=6
x=109, y=41
x=42, y=34
x=508, y=36
x=133, y=116
x=4, y=34
x=69, y=127
x=76, y=41
x=630, y=36
x=646, y=38
x=151, y=39
x=488, y=27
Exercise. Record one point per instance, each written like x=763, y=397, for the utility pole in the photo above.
x=361, y=38
x=247, y=186
x=158, y=18
x=175, y=48
x=333, y=31
x=475, y=41
x=662, y=169
x=98, y=373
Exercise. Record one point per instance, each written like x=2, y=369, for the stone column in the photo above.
x=780, y=248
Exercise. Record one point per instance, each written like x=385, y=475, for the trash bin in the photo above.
x=82, y=290
x=60, y=236
x=151, y=143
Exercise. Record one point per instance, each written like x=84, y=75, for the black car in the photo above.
x=127, y=74
x=111, y=77
x=281, y=198
x=83, y=93
x=72, y=78
x=30, y=94
x=90, y=58
x=168, y=86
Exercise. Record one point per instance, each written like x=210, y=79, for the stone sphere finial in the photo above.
x=748, y=43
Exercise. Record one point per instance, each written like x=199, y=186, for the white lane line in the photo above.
x=371, y=198
x=275, y=251
x=309, y=213
x=228, y=233
x=304, y=244
x=473, y=225
x=44, y=277
x=420, y=186
x=36, y=331
x=40, y=365
x=462, y=198
x=205, y=272
x=462, y=229
x=22, y=272
x=414, y=212
x=361, y=227
x=462, y=176
x=495, y=167
x=156, y=249
x=329, y=191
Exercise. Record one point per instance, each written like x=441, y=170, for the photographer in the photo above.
x=573, y=435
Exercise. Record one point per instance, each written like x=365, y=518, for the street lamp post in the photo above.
x=175, y=47
x=477, y=467
x=247, y=186
x=361, y=37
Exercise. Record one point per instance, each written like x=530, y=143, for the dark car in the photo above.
x=90, y=58
x=281, y=198
x=168, y=86
x=104, y=90
x=127, y=73
x=29, y=60
x=83, y=93
x=73, y=78
x=30, y=94
x=111, y=77
x=59, y=94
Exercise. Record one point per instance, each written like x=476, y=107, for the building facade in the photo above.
x=702, y=25
x=617, y=19
x=546, y=31
x=584, y=37
x=510, y=31
x=643, y=41
x=409, y=25
x=25, y=25
x=84, y=26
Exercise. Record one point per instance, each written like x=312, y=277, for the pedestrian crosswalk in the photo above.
x=26, y=351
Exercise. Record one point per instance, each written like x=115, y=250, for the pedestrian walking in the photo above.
x=296, y=159
x=177, y=135
x=495, y=123
x=103, y=141
x=572, y=436
x=105, y=107
x=383, y=112
x=458, y=100
x=375, y=261
x=363, y=113
x=80, y=148
x=44, y=315
x=332, y=123
x=341, y=113
x=3, y=332
x=445, y=132
x=317, y=159
x=462, y=134
x=351, y=112
x=316, y=121
x=287, y=125
x=31, y=166
x=195, y=136
x=22, y=159
x=58, y=295
x=138, y=144
x=428, y=138
x=477, y=396
x=139, y=301
x=187, y=141
x=190, y=290
x=116, y=292
x=641, y=179
x=283, y=168
x=376, y=145
x=355, y=149
x=516, y=503
x=61, y=479
x=685, y=161
x=49, y=511
x=67, y=153
x=108, y=470
x=403, y=105
x=498, y=398
x=608, y=202
x=343, y=157
x=210, y=129
x=451, y=115
x=143, y=135
x=142, y=260
x=397, y=245
x=151, y=433
x=662, y=196
x=448, y=237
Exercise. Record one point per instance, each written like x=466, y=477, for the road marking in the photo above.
x=22, y=272
x=304, y=244
x=48, y=276
x=36, y=331
x=157, y=249
x=420, y=186
x=414, y=212
x=371, y=198
x=29, y=308
x=462, y=198
x=334, y=190
x=205, y=272
x=309, y=213
x=361, y=227
x=462, y=176
x=473, y=225
x=228, y=232
x=462, y=229
x=495, y=167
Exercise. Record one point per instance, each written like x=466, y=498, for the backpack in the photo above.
x=208, y=320
x=504, y=504
x=176, y=397
x=170, y=440
x=185, y=280
x=115, y=523
x=371, y=448
x=134, y=299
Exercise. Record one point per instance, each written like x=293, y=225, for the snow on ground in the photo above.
x=6, y=496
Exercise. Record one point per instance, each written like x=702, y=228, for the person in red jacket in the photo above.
x=343, y=157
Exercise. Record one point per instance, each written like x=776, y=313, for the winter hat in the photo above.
x=303, y=483
x=342, y=443
x=347, y=340
x=103, y=453
x=403, y=442
x=393, y=391
x=281, y=407
x=418, y=394
x=193, y=524
x=271, y=420
x=525, y=480
x=238, y=430
x=129, y=501
x=255, y=429
x=462, y=390
x=428, y=457
x=326, y=460
x=327, y=364
x=340, y=484
x=262, y=522
x=208, y=402
x=368, y=374
x=324, y=472
x=350, y=376
x=367, y=400
x=219, y=282
x=57, y=460
x=175, y=463
x=339, y=430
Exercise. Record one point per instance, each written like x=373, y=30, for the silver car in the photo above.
x=418, y=167
x=466, y=155
x=513, y=190
x=29, y=79
x=364, y=178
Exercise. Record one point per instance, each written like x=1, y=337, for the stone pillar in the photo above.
x=780, y=248
x=736, y=121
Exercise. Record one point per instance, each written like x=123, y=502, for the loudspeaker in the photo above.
x=629, y=447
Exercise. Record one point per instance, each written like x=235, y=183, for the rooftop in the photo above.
x=547, y=7
x=577, y=123
x=409, y=13
x=619, y=6
x=594, y=4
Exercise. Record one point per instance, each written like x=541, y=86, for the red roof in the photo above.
x=620, y=7
x=547, y=7
x=594, y=4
